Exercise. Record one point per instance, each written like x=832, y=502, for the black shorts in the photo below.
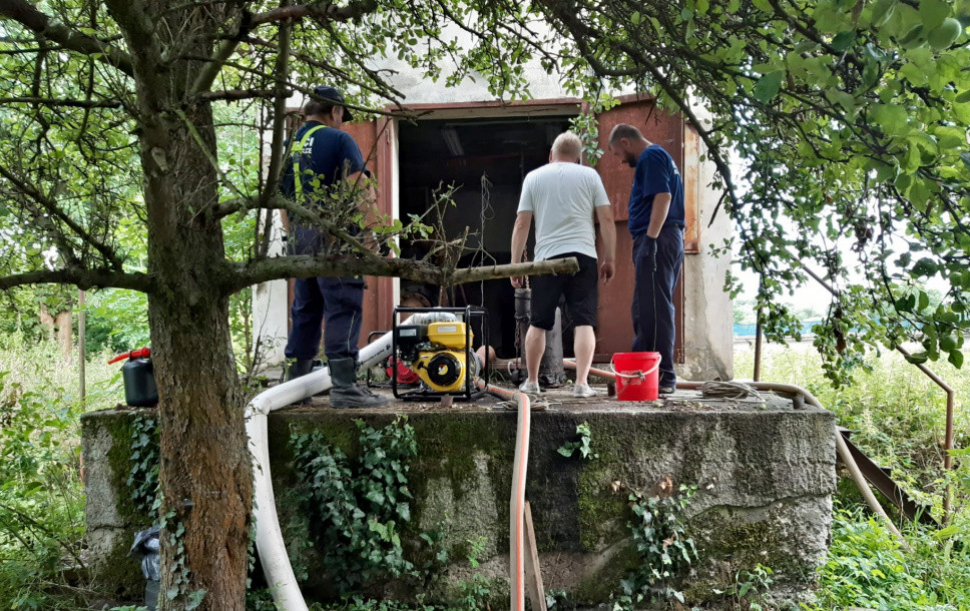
x=580, y=290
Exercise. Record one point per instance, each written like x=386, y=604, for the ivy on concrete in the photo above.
x=664, y=549
x=360, y=504
x=143, y=474
x=583, y=445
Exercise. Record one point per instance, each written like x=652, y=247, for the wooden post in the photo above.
x=757, y=349
x=533, y=574
x=81, y=321
x=757, y=335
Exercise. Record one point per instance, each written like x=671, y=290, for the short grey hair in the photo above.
x=624, y=130
x=567, y=145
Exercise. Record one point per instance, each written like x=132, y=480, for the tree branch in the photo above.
x=211, y=69
x=69, y=103
x=54, y=210
x=82, y=278
x=42, y=25
x=325, y=11
x=279, y=117
x=242, y=94
x=307, y=266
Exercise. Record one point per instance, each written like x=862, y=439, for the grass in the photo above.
x=41, y=493
x=898, y=416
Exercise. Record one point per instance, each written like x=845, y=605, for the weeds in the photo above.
x=41, y=494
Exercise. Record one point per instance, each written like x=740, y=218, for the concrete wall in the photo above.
x=766, y=502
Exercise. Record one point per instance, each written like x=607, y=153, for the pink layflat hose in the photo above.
x=517, y=501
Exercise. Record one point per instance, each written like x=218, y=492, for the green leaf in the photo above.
x=883, y=11
x=891, y=117
x=956, y=358
x=946, y=533
x=933, y=12
x=965, y=158
x=925, y=267
x=768, y=86
x=843, y=40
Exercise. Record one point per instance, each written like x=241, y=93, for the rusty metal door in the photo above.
x=615, y=333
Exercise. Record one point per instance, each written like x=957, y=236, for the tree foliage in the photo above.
x=846, y=122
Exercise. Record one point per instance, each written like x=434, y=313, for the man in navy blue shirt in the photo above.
x=323, y=160
x=657, y=226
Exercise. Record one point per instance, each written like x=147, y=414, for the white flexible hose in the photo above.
x=269, y=537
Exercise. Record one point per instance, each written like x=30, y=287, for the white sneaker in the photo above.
x=529, y=388
x=583, y=391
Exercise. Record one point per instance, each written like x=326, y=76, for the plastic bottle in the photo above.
x=139, y=377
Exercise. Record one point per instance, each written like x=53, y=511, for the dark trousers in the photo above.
x=336, y=302
x=653, y=297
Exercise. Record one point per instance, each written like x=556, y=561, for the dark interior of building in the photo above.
x=485, y=161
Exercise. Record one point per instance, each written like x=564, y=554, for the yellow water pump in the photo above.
x=443, y=363
x=439, y=352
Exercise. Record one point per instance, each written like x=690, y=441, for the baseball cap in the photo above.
x=330, y=93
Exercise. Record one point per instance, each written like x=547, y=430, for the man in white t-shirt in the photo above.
x=563, y=196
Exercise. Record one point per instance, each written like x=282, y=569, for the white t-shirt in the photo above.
x=562, y=197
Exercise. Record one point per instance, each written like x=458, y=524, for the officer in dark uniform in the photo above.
x=323, y=158
x=656, y=223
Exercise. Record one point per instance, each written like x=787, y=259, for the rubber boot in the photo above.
x=299, y=368
x=345, y=392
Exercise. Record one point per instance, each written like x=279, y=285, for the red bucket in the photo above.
x=637, y=375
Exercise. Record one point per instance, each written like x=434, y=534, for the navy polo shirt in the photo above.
x=330, y=154
x=656, y=173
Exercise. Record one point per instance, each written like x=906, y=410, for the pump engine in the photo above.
x=438, y=348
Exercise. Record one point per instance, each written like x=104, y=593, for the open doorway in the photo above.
x=486, y=161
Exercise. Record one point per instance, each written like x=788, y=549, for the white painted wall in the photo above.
x=708, y=311
x=270, y=306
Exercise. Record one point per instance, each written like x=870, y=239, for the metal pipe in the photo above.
x=948, y=439
x=81, y=347
x=758, y=333
x=757, y=348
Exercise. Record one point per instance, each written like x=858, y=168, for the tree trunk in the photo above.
x=205, y=471
x=47, y=321
x=205, y=475
x=65, y=334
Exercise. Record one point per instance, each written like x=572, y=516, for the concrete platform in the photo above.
x=764, y=473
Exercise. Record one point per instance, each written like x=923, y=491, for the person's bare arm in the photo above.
x=604, y=215
x=658, y=216
x=520, y=233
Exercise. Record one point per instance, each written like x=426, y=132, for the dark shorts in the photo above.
x=580, y=290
